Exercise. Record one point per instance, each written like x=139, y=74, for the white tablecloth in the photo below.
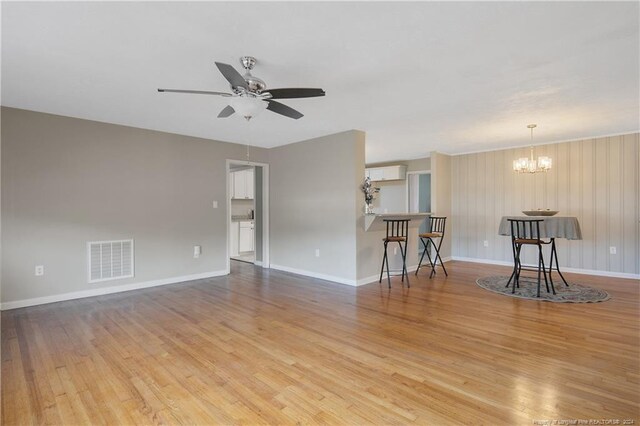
x=551, y=227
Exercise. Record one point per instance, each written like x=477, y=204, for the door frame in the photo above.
x=265, y=210
x=416, y=172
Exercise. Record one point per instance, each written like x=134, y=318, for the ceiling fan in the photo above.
x=250, y=94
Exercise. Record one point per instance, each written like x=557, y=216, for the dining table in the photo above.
x=551, y=227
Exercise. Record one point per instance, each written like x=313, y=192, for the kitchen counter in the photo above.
x=241, y=218
x=375, y=222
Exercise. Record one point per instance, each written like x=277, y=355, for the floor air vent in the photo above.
x=110, y=260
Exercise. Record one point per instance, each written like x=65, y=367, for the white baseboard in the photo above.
x=375, y=278
x=339, y=280
x=106, y=290
x=563, y=268
x=326, y=277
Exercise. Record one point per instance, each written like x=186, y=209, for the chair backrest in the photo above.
x=397, y=227
x=525, y=228
x=437, y=224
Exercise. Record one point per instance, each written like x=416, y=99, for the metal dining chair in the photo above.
x=526, y=232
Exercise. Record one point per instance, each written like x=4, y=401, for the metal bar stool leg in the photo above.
x=438, y=255
x=431, y=262
x=421, y=257
x=386, y=258
x=516, y=281
x=554, y=253
x=435, y=261
x=515, y=265
x=539, y=264
x=401, y=255
x=404, y=263
x=425, y=251
x=542, y=267
x=428, y=250
x=553, y=290
x=385, y=261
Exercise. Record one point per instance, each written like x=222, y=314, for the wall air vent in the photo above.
x=110, y=260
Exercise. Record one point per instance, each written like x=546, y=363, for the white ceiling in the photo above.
x=448, y=76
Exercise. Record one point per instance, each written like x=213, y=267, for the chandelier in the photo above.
x=529, y=165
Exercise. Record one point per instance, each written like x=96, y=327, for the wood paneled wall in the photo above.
x=596, y=180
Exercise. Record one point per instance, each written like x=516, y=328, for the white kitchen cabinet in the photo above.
x=239, y=184
x=398, y=172
x=235, y=238
x=376, y=174
x=243, y=184
x=246, y=236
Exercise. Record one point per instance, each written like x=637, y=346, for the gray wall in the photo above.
x=315, y=202
x=392, y=197
x=596, y=180
x=66, y=181
x=441, y=192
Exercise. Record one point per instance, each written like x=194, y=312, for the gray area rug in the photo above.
x=575, y=293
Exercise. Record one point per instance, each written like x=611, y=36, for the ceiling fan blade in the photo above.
x=226, y=112
x=232, y=75
x=282, y=109
x=291, y=93
x=197, y=92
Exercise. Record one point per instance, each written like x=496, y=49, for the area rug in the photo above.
x=575, y=293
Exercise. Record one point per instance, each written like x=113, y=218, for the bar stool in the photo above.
x=526, y=232
x=436, y=227
x=397, y=231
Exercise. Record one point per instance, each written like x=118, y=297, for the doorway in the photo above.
x=419, y=198
x=247, y=213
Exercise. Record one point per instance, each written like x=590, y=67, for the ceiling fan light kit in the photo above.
x=247, y=106
x=250, y=95
x=530, y=165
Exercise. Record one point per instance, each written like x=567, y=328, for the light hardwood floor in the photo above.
x=269, y=347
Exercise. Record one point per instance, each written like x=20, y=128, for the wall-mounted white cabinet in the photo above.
x=398, y=172
x=242, y=184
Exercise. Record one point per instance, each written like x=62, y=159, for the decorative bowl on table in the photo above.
x=540, y=212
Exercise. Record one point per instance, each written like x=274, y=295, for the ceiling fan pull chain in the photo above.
x=248, y=139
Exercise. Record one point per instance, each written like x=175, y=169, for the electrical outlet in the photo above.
x=39, y=270
x=196, y=251
x=485, y=243
x=215, y=204
x=317, y=252
x=612, y=250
